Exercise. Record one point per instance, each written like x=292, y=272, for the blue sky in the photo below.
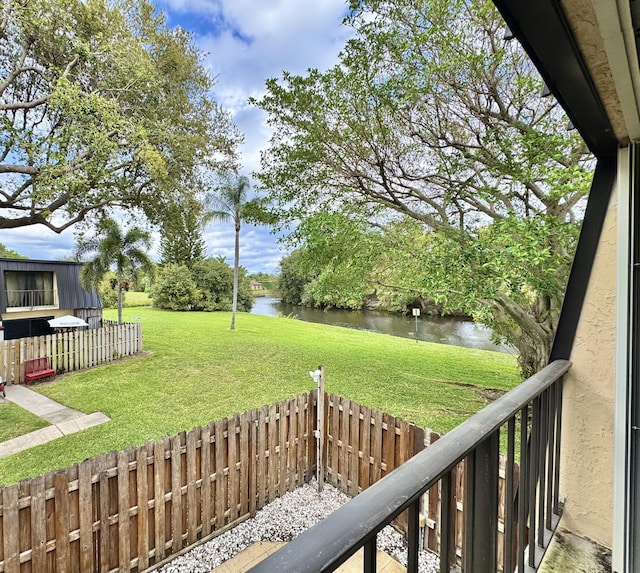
x=247, y=41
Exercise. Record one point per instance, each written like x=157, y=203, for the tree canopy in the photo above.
x=430, y=115
x=101, y=105
x=182, y=240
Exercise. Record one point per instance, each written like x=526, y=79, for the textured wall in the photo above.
x=586, y=29
x=55, y=312
x=588, y=414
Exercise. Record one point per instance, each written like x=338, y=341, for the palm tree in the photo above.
x=228, y=205
x=115, y=250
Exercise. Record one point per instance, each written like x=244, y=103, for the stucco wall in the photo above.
x=55, y=312
x=586, y=479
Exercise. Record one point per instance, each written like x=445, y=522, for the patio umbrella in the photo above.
x=66, y=321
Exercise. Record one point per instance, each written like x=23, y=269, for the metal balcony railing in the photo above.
x=30, y=298
x=531, y=416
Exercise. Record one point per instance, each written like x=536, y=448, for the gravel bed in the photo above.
x=282, y=520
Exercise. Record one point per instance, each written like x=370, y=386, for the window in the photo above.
x=27, y=327
x=27, y=289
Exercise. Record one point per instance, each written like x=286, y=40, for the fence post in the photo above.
x=318, y=376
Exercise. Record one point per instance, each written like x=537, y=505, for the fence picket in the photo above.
x=85, y=506
x=221, y=491
x=311, y=415
x=301, y=441
x=205, y=488
x=10, y=538
x=123, y=511
x=282, y=451
x=176, y=493
x=38, y=525
x=343, y=467
x=252, y=451
x=103, y=492
x=273, y=459
x=159, y=503
x=245, y=469
x=354, y=446
x=142, y=490
x=365, y=449
x=61, y=497
x=332, y=428
x=291, y=443
x=234, y=474
x=192, y=478
x=262, y=456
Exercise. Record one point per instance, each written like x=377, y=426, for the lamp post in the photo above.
x=416, y=313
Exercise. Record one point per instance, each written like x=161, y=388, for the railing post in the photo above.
x=481, y=507
x=534, y=445
x=523, y=487
x=507, y=562
x=446, y=539
x=370, y=556
x=413, y=535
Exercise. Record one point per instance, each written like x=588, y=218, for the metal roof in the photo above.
x=70, y=291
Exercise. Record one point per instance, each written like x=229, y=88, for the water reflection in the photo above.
x=430, y=328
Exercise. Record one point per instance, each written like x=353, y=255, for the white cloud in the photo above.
x=259, y=250
x=38, y=242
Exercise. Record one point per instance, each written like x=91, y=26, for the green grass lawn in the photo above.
x=133, y=298
x=197, y=370
x=14, y=421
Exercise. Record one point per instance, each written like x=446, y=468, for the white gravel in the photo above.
x=282, y=520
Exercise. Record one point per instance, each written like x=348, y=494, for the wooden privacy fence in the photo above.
x=70, y=351
x=130, y=510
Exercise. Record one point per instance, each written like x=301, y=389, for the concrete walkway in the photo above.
x=252, y=555
x=63, y=420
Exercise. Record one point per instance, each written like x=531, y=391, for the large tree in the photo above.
x=101, y=104
x=182, y=241
x=431, y=115
x=228, y=203
x=115, y=250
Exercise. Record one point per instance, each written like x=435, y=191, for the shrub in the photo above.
x=175, y=289
x=207, y=286
x=214, y=279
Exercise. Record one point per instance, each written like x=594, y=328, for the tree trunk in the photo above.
x=534, y=354
x=236, y=265
x=119, y=302
x=531, y=330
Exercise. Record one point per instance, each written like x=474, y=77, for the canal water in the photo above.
x=444, y=330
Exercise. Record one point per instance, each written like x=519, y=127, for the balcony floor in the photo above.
x=569, y=552
x=259, y=551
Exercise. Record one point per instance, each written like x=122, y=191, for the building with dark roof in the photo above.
x=33, y=292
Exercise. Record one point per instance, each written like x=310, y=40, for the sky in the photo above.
x=246, y=42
